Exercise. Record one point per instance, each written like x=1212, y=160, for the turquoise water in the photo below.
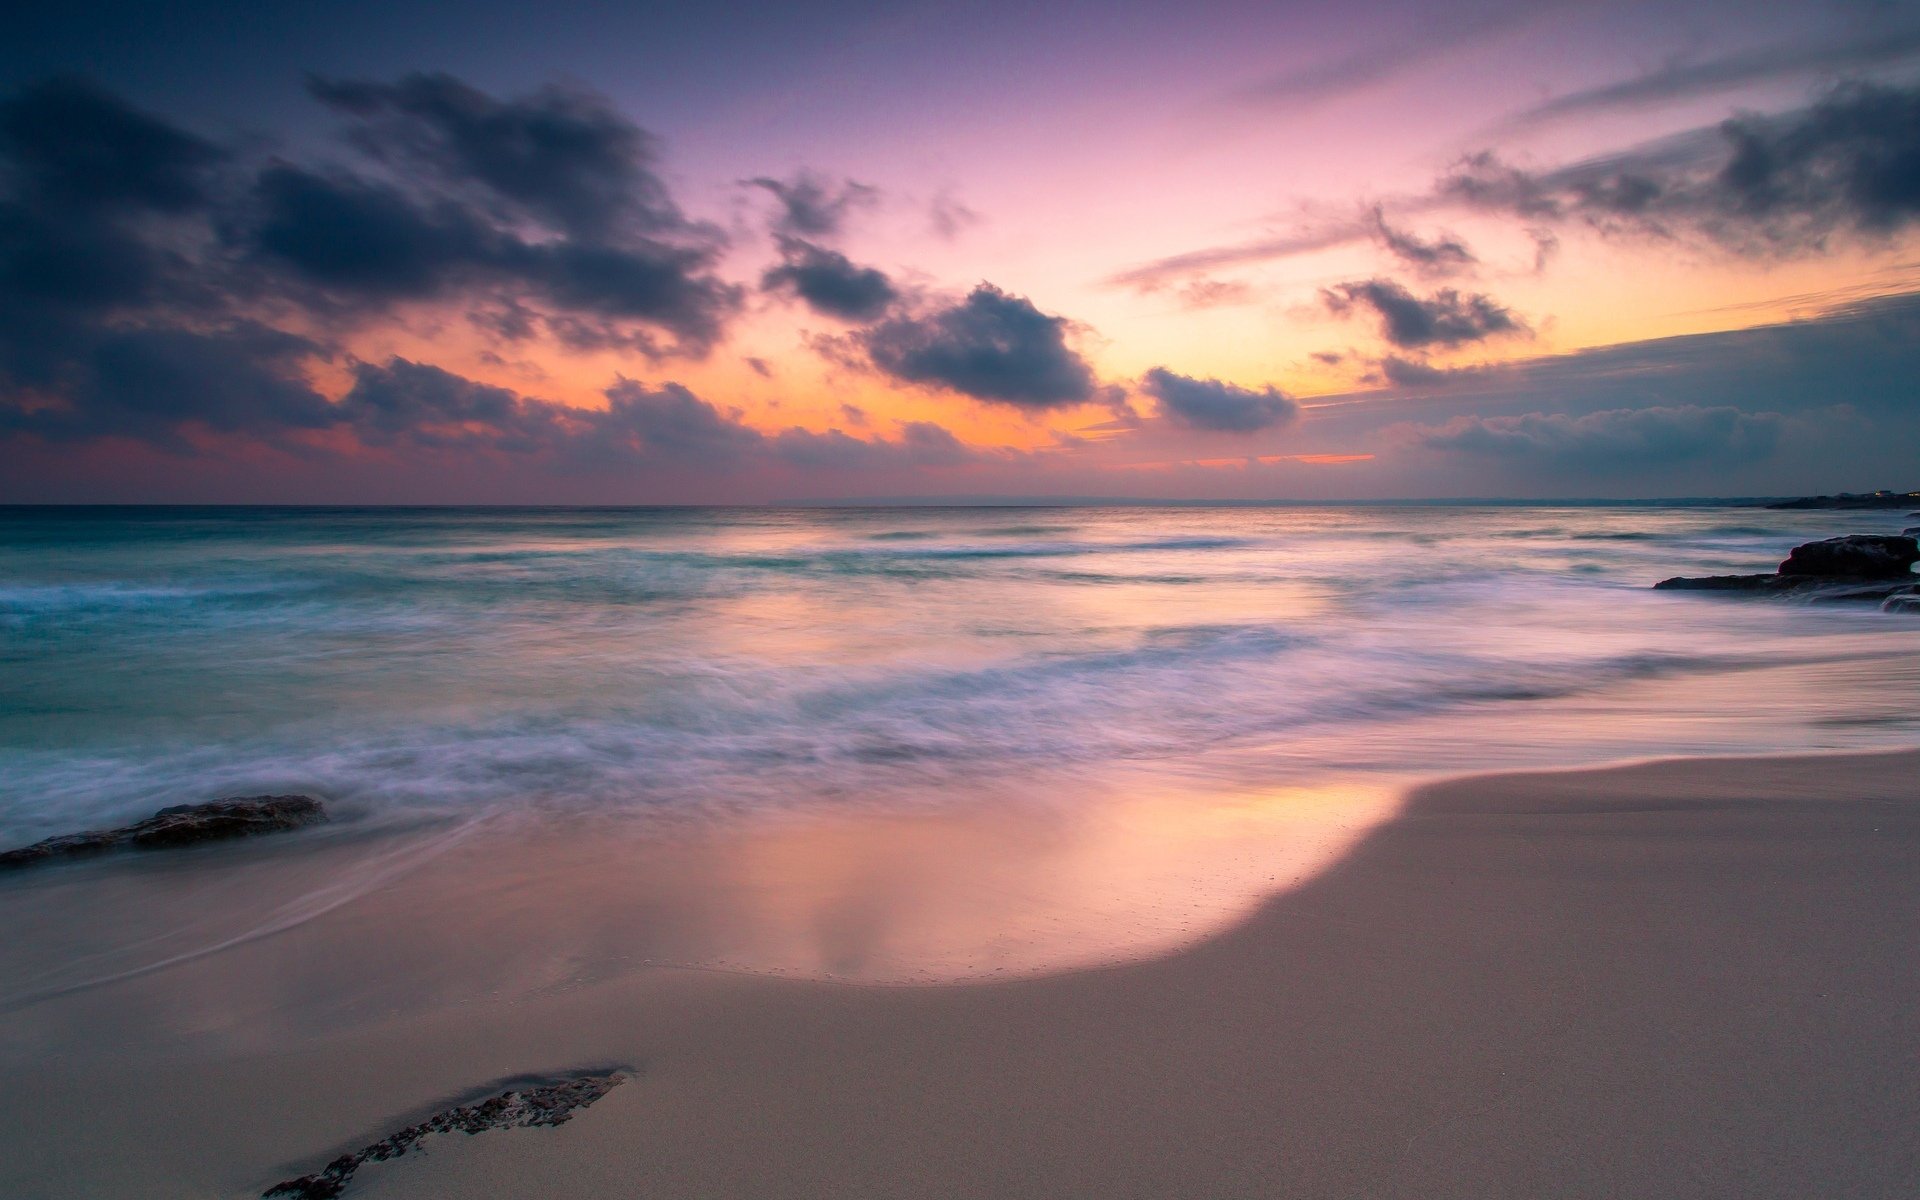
x=719, y=664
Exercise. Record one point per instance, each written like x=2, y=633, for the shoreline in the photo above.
x=1689, y=975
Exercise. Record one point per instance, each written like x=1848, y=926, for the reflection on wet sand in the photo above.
x=262, y=943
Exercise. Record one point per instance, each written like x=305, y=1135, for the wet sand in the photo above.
x=1690, y=978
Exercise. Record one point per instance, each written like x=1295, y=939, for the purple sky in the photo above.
x=598, y=253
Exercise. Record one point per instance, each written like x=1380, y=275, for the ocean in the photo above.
x=712, y=665
x=902, y=745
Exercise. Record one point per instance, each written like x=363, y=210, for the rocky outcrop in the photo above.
x=181, y=825
x=1865, y=555
x=551, y=1102
x=1859, y=568
x=1833, y=589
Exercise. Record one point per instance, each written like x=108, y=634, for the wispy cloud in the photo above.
x=1435, y=37
x=1681, y=80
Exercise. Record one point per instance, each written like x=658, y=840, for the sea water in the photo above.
x=895, y=745
x=703, y=664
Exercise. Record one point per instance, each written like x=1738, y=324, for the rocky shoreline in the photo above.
x=1856, y=568
x=1883, y=498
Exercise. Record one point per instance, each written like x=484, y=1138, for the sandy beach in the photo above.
x=1680, y=978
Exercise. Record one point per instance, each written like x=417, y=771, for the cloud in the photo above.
x=1331, y=77
x=921, y=444
x=564, y=157
x=1611, y=439
x=1407, y=372
x=156, y=385
x=365, y=240
x=1446, y=318
x=829, y=282
x=1439, y=257
x=1221, y=407
x=1152, y=276
x=70, y=145
x=949, y=218
x=1678, y=81
x=1753, y=184
x=814, y=207
x=1200, y=294
x=991, y=346
x=428, y=406
x=667, y=422
x=546, y=207
x=1849, y=162
x=143, y=267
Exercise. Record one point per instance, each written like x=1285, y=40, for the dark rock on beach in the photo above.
x=1860, y=568
x=547, y=1103
x=1869, y=555
x=1817, y=588
x=181, y=825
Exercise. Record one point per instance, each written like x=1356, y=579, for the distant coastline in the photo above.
x=1841, y=500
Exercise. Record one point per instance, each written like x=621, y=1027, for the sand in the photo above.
x=1692, y=978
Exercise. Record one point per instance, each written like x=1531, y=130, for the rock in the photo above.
x=549, y=1102
x=1861, y=567
x=1726, y=583
x=1819, y=589
x=1864, y=555
x=181, y=825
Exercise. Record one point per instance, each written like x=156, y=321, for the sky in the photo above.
x=608, y=253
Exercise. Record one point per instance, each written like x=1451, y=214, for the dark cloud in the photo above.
x=93, y=195
x=991, y=346
x=829, y=282
x=1849, y=163
x=129, y=245
x=1634, y=438
x=365, y=240
x=1438, y=257
x=1222, y=407
x=815, y=207
x=157, y=385
x=564, y=157
x=1408, y=372
x=1446, y=318
x=138, y=261
x=921, y=444
x=110, y=326
x=540, y=213
x=1680, y=80
x=669, y=422
x=431, y=407
x=67, y=144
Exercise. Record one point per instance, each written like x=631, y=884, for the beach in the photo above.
x=1686, y=977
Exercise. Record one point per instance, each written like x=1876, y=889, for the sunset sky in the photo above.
x=598, y=253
